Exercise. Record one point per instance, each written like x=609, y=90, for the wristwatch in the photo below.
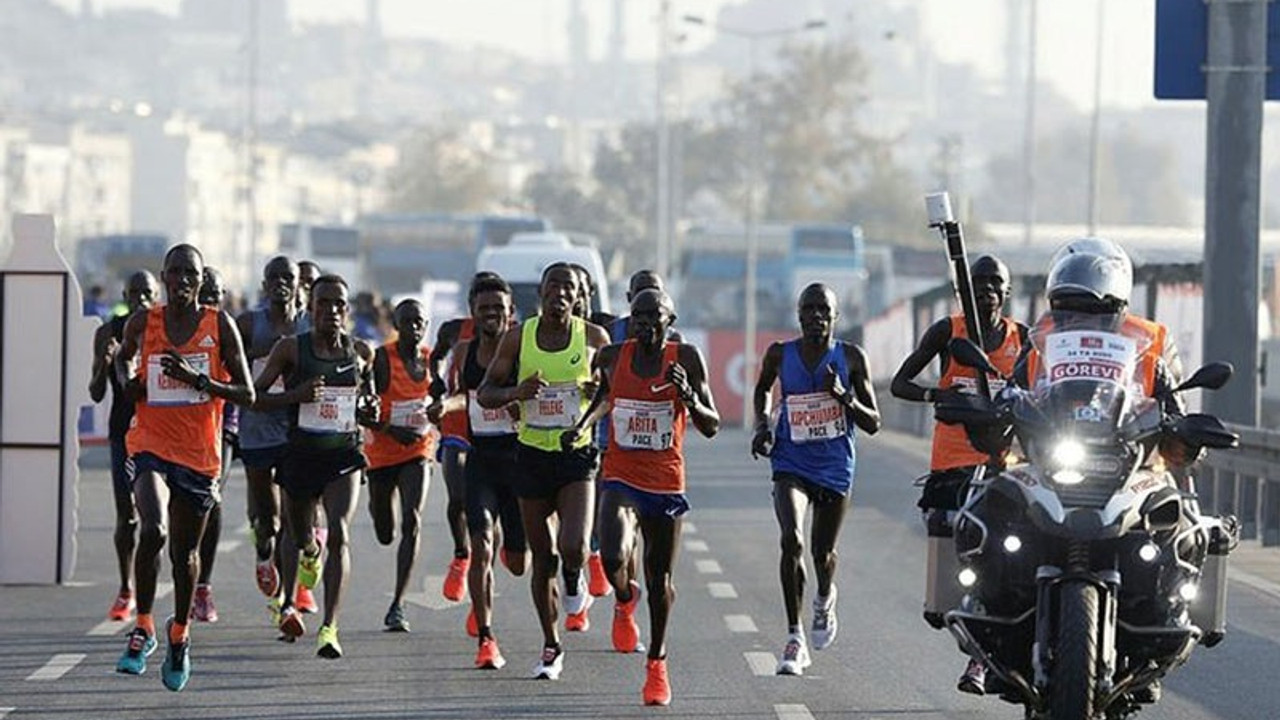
x=202, y=382
x=930, y=394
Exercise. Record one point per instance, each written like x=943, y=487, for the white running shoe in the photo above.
x=576, y=602
x=795, y=656
x=549, y=664
x=825, y=623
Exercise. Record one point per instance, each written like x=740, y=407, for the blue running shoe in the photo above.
x=134, y=659
x=176, y=670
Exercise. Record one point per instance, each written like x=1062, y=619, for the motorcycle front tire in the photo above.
x=1071, y=686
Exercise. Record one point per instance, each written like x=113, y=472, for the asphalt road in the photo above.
x=57, y=656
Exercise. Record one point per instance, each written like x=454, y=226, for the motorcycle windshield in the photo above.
x=1086, y=381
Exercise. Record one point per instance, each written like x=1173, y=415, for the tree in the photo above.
x=440, y=171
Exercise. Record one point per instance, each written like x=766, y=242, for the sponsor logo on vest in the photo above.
x=207, y=341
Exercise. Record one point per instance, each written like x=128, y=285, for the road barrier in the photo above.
x=1245, y=481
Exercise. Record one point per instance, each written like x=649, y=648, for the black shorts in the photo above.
x=391, y=474
x=541, y=474
x=490, y=491
x=817, y=494
x=267, y=458
x=305, y=472
x=200, y=490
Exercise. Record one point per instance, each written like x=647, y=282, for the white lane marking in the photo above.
x=227, y=546
x=722, y=590
x=696, y=546
x=740, y=624
x=689, y=529
x=111, y=627
x=429, y=599
x=57, y=666
x=761, y=663
x=792, y=712
x=709, y=567
x=5, y=711
x=1253, y=581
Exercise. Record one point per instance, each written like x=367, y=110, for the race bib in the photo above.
x=277, y=387
x=815, y=417
x=643, y=425
x=411, y=414
x=1089, y=355
x=487, y=422
x=164, y=390
x=557, y=407
x=969, y=386
x=335, y=412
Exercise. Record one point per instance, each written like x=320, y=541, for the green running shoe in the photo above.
x=308, y=569
x=327, y=643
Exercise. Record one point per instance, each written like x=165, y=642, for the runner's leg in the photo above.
x=412, y=483
x=126, y=531
x=151, y=497
x=539, y=521
x=661, y=544
x=618, y=538
x=789, y=505
x=340, y=497
x=828, y=517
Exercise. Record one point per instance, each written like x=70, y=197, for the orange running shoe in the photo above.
x=268, y=577
x=489, y=657
x=657, y=688
x=291, y=625
x=626, y=633
x=473, y=627
x=305, y=600
x=202, y=607
x=455, y=582
x=598, y=584
x=123, y=607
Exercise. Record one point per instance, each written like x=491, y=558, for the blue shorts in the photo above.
x=201, y=490
x=649, y=504
x=268, y=458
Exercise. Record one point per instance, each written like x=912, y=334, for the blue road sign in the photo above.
x=1182, y=45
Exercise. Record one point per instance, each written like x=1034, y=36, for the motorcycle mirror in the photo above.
x=1211, y=376
x=1203, y=430
x=970, y=355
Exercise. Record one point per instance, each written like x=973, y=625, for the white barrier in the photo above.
x=44, y=369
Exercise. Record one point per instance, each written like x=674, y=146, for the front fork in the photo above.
x=1048, y=578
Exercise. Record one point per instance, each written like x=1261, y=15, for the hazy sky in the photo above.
x=963, y=30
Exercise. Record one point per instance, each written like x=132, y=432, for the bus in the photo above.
x=712, y=263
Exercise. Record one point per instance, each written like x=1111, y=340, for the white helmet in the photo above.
x=1095, y=271
x=1090, y=246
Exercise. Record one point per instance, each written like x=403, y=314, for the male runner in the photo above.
x=551, y=357
x=826, y=391
x=264, y=434
x=650, y=388
x=213, y=291
x=326, y=375
x=399, y=446
x=179, y=361
x=308, y=273
x=491, y=465
x=140, y=292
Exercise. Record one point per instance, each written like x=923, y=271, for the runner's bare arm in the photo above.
x=240, y=389
x=698, y=401
x=933, y=344
x=126, y=361
x=762, y=438
x=491, y=394
x=602, y=367
x=381, y=381
x=446, y=337
x=455, y=401
x=104, y=350
x=244, y=323
x=281, y=361
x=860, y=399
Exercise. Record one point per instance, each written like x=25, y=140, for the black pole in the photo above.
x=939, y=208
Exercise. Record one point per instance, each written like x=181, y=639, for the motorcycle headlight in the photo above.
x=1149, y=552
x=1068, y=454
x=1188, y=591
x=1012, y=544
x=1068, y=477
x=967, y=577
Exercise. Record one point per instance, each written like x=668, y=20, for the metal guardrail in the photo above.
x=1245, y=482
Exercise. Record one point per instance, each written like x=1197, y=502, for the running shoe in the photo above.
x=291, y=625
x=308, y=569
x=626, y=633
x=455, y=581
x=327, y=645
x=123, y=607
x=489, y=657
x=394, y=621
x=825, y=623
x=140, y=645
x=974, y=679
x=657, y=687
x=176, y=669
x=305, y=601
x=274, y=608
x=795, y=656
x=202, y=607
x=576, y=606
x=473, y=625
x=268, y=577
x=599, y=582
x=549, y=664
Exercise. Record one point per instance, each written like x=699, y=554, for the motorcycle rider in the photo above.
x=954, y=458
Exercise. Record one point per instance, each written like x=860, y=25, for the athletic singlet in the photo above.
x=176, y=422
x=951, y=447
x=404, y=403
x=487, y=425
x=330, y=423
x=648, y=422
x=561, y=403
x=814, y=439
x=269, y=428
x=454, y=424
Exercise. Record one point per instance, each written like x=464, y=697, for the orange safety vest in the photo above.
x=951, y=447
x=188, y=433
x=1145, y=370
x=404, y=402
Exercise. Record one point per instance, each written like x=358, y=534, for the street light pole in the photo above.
x=662, y=192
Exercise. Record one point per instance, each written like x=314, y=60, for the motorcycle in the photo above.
x=1085, y=572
